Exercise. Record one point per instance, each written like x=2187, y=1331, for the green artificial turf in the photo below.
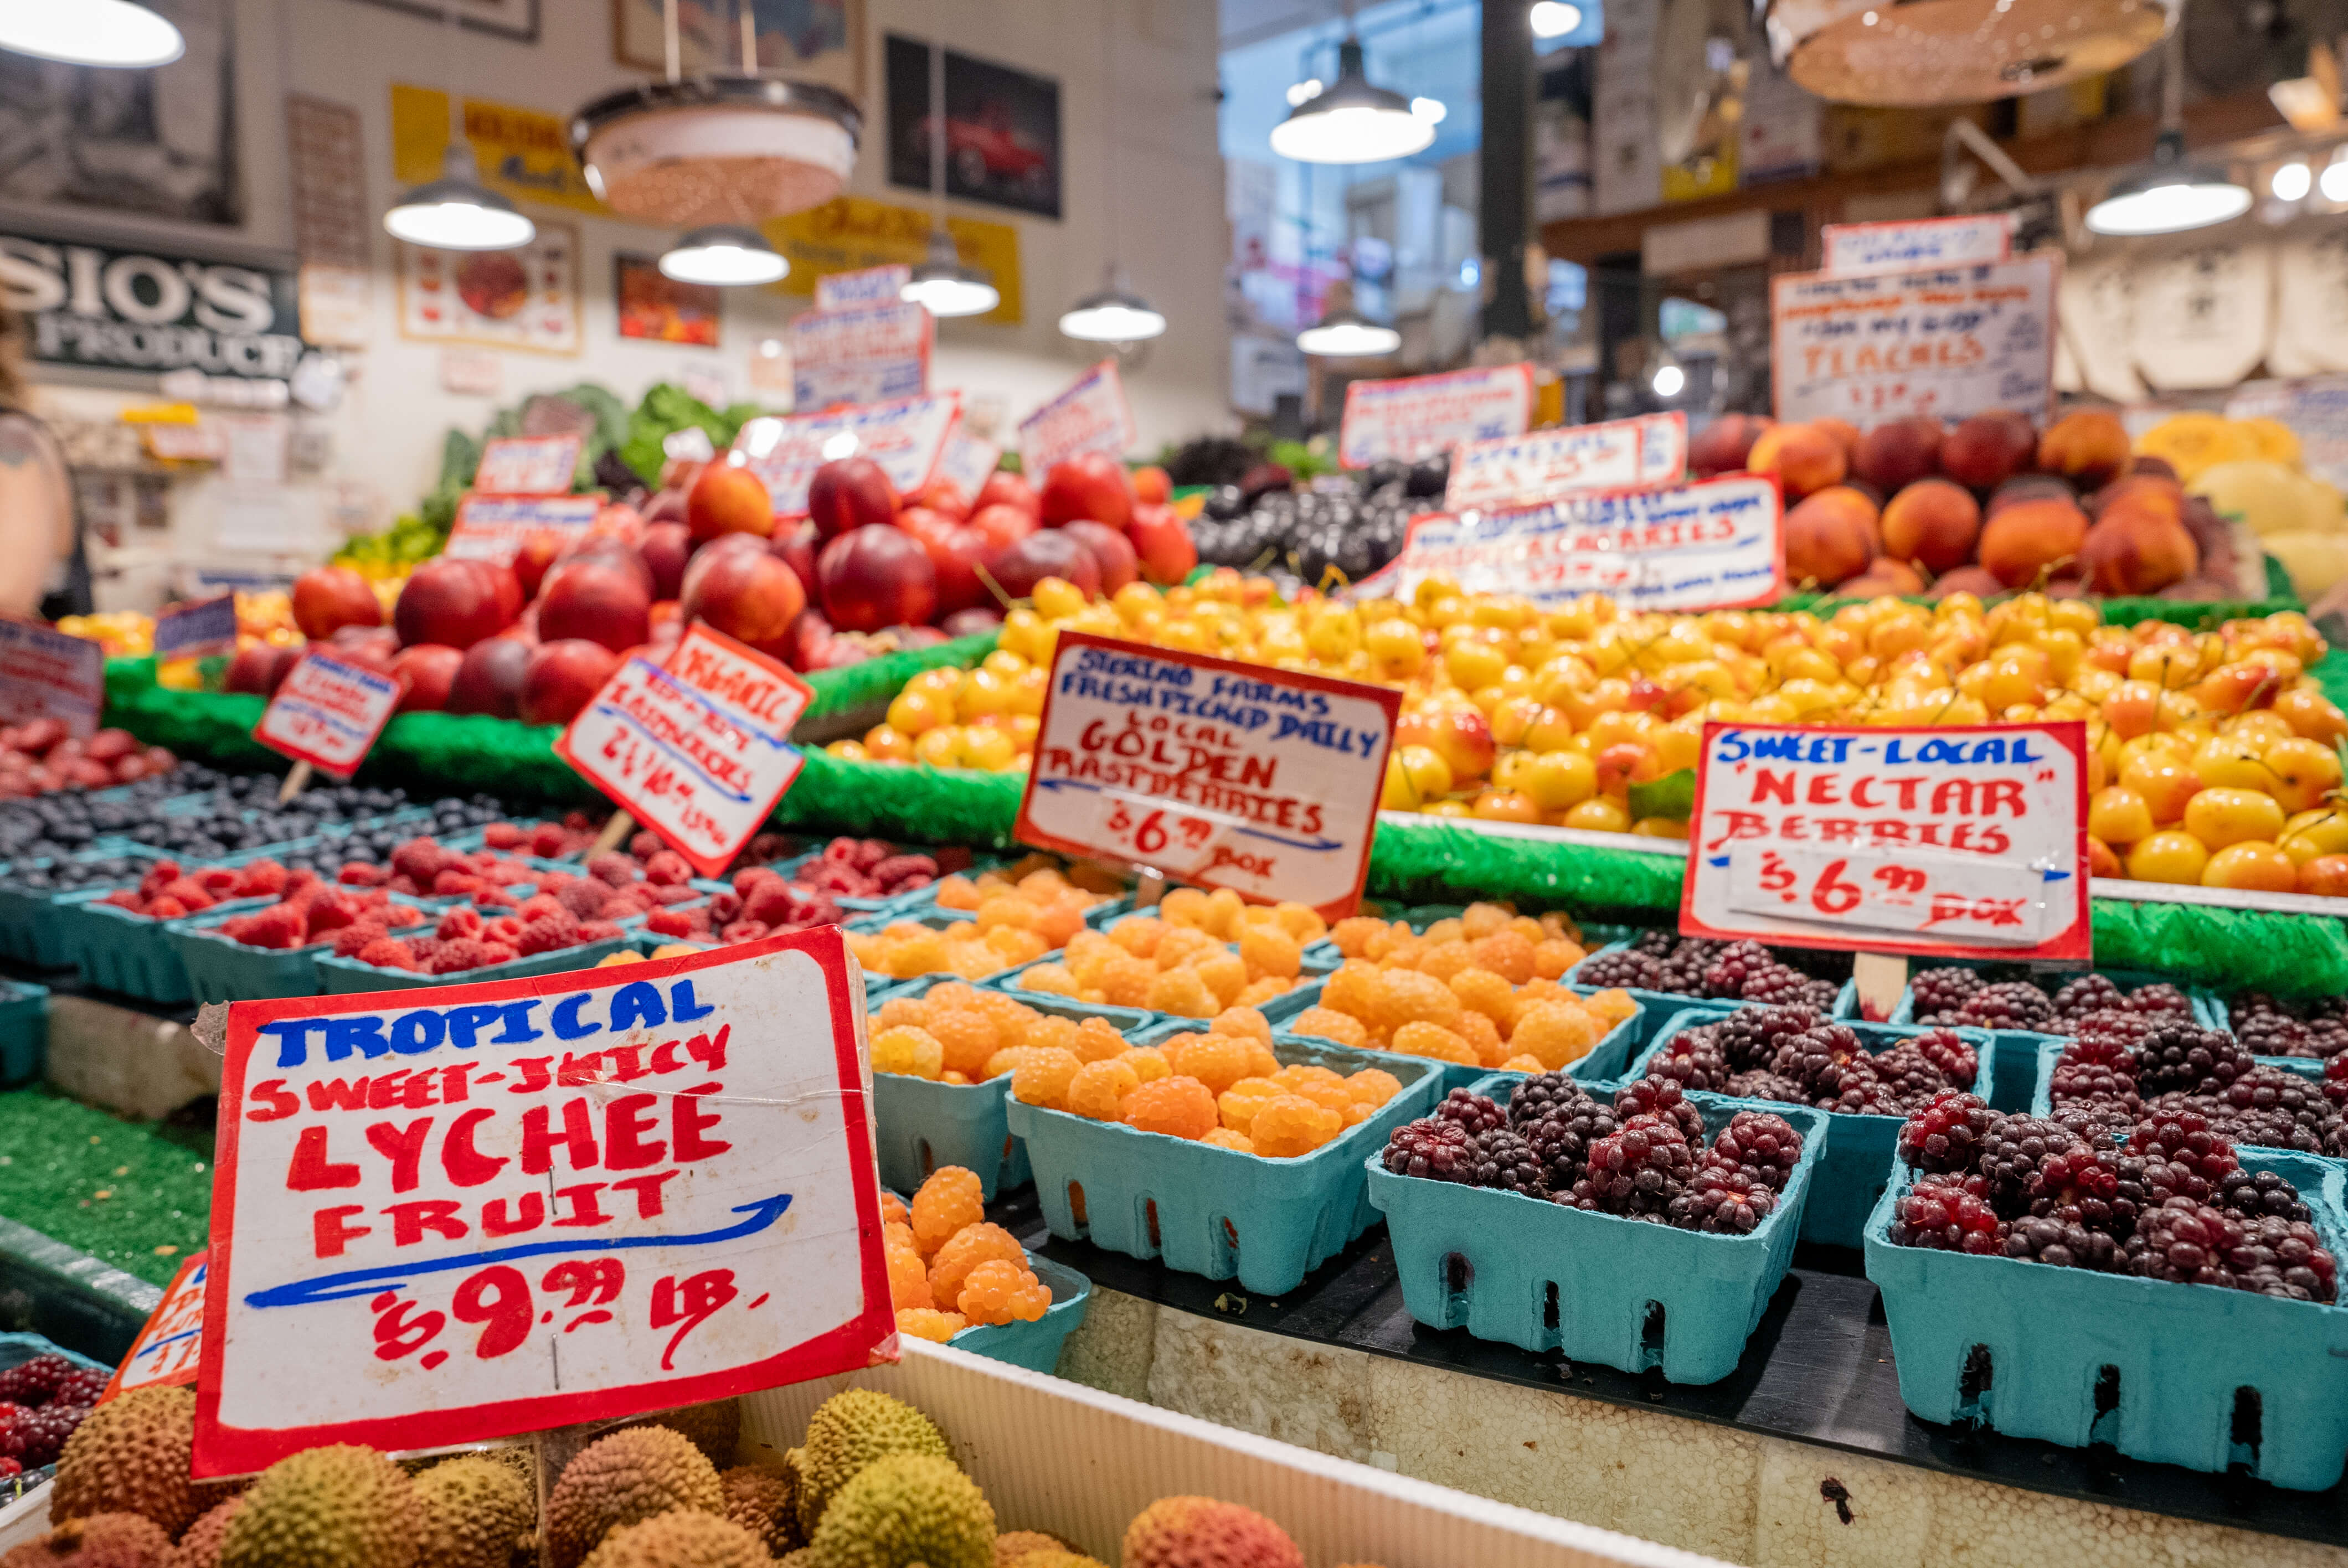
x=136, y=1194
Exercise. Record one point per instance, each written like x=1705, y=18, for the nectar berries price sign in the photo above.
x=328, y=712
x=1222, y=774
x=455, y=1213
x=1950, y=843
x=168, y=1348
x=698, y=749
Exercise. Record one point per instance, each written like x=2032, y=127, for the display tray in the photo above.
x=1818, y=1370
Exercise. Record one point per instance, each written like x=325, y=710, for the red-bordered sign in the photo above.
x=169, y=1347
x=328, y=713
x=1419, y=416
x=528, y=465
x=1947, y=342
x=1219, y=773
x=459, y=1213
x=46, y=673
x=1905, y=245
x=1090, y=415
x=1952, y=842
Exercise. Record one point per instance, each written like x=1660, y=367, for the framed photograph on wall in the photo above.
x=1003, y=130
x=526, y=299
x=516, y=19
x=820, y=41
x=657, y=308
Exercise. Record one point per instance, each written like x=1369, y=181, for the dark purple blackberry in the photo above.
x=1859, y=1088
x=2184, y=1156
x=1940, y=1214
x=2274, y=1034
x=1561, y=1136
x=41, y=1433
x=82, y=1386
x=2089, y=993
x=2326, y=1037
x=2336, y=1080
x=1682, y=972
x=2184, y=1243
x=2175, y=1057
x=2013, y=1004
x=2078, y=1076
x=1946, y=1135
x=2114, y=1033
x=1748, y=1037
x=1440, y=1151
x=2254, y=1007
x=2274, y=1109
x=1764, y=1084
x=1624, y=967
x=1540, y=1094
x=1937, y=995
x=1909, y=1076
x=1503, y=1159
x=2080, y=1185
x=1780, y=985
x=1724, y=1201
x=1638, y=1170
x=1739, y=962
x=37, y=1382
x=1814, y=1059
x=1946, y=1049
x=2065, y=1245
x=2012, y=1152
x=2161, y=999
x=1692, y=1060
x=1657, y=945
x=1763, y=1146
x=2259, y=1194
x=1476, y=1113
x=2284, y=1258
x=1659, y=1097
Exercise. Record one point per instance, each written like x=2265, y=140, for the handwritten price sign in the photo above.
x=196, y=630
x=328, y=713
x=46, y=674
x=1091, y=416
x=173, y=1342
x=1422, y=415
x=528, y=466
x=494, y=528
x=698, y=750
x=1524, y=470
x=1947, y=341
x=904, y=436
x=1222, y=774
x=1953, y=842
x=456, y=1214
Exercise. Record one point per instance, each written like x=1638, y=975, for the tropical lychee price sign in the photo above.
x=1218, y=774
x=698, y=750
x=328, y=712
x=1967, y=843
x=459, y=1213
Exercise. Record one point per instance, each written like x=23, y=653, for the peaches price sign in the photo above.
x=455, y=1213
x=1949, y=842
x=1522, y=470
x=1948, y=342
x=328, y=712
x=698, y=749
x=1218, y=774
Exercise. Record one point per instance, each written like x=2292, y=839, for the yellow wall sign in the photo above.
x=524, y=154
x=851, y=232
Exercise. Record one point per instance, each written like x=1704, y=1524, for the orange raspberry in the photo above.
x=1240, y=1102
x=1422, y=1038
x=1552, y=957
x=1100, y=1087
x=1097, y=1040
x=1483, y=1037
x=1008, y=1058
x=909, y=1282
x=971, y=1246
x=912, y=1052
x=1448, y=930
x=1556, y=1032
x=1126, y=980
x=1047, y=1028
x=1255, y=993
x=1406, y=996
x=1507, y=954
x=967, y=1036
x=1224, y=1138
x=1216, y=1060
x=1328, y=1096
x=1480, y=920
x=1301, y=921
x=1052, y=981
x=1296, y=1075
x=1179, y=1107
x=912, y=1011
x=1372, y=1086
x=1270, y=951
x=1523, y=1064
x=1612, y=1007
x=1353, y=934
x=924, y=1323
x=1328, y=1023
x=1445, y=959
x=1149, y=1062
x=1485, y=991
x=1182, y=993
x=1183, y=907
x=893, y=1211
x=1003, y=1293
x=951, y=1076
x=1289, y=1125
x=1139, y=936
x=1242, y=1020
x=948, y=1201
x=1044, y=1078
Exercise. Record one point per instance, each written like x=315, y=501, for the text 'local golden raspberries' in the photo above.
x=1205, y=1533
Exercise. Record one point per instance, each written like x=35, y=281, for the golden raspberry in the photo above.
x=1482, y=991
x=1382, y=941
x=1099, y=1088
x=1483, y=1037
x=948, y=1201
x=1527, y=927
x=1052, y=980
x=899, y=1231
x=1183, y=907
x=893, y=1211
x=1224, y=1138
x=1445, y=959
x=924, y=1323
x=1059, y=922
x=955, y=994
x=1423, y=1039
x=1226, y=911
x=1613, y=1006
x=1126, y=980
x=1297, y=1074
x=1357, y=1114
x=1242, y=1020
x=1008, y=1058
x=914, y=1052
x=1216, y=1060
x=968, y=1038
x=951, y=1076
x=1005, y=910
x=1327, y=1023
x=1372, y=1086
x=1255, y=993
x=1271, y=952
x=1480, y=920
x=1184, y=946
x=1328, y=1096
x=1043, y=1079
x=1179, y=1107
x=957, y=892
x=1049, y=1029
x=921, y=952
x=1226, y=975
x=1556, y=1032
x=909, y=1282
x=1012, y=946
x=912, y=1012
x=1181, y=993
x=1352, y=988
x=1148, y=1063
x=1240, y=1102
x=1289, y=1125
x=1406, y=950
x=1406, y=996
x=1003, y=1293
x=1097, y=1040
x=1139, y=936
x=1507, y=954
x=1523, y=1064
x=1448, y=930
x=1353, y=934
x=1552, y=958
x=950, y=1267
x=1301, y=921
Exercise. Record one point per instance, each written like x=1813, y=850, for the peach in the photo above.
x=2142, y=491
x=2088, y=448
x=727, y=498
x=561, y=678
x=1721, y=447
x=2024, y=543
x=429, y=668
x=596, y=598
x=1988, y=449
x=1844, y=432
x=2027, y=488
x=1969, y=580
x=328, y=598
x=1830, y=537
x=1884, y=575
x=1804, y=458
x=1895, y=456
x=1933, y=523
x=2134, y=551
x=488, y=680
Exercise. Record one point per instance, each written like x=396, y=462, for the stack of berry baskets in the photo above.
x=2311, y=1028
x=1865, y=1077
x=1475, y=989
x=1667, y=974
x=1264, y=1180
x=46, y=1391
x=2122, y=1066
x=939, y=1091
x=1009, y=928
x=2150, y=1286
x=1021, y=1310
x=2022, y=1010
x=122, y=939
x=1638, y=1227
x=31, y=892
x=268, y=945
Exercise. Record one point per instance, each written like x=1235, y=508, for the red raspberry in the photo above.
x=280, y=926
x=646, y=844
x=126, y=898
x=668, y=923
x=725, y=908
x=402, y=883
x=743, y=931
x=452, y=883
x=420, y=858
x=547, y=839
x=454, y=957
x=498, y=953
x=503, y=836
x=459, y=922
x=385, y=953
x=398, y=915
x=331, y=911
x=495, y=899
x=598, y=930
x=541, y=905
x=506, y=929
x=354, y=938
x=504, y=873
x=770, y=902
x=613, y=868
x=168, y=908
x=668, y=867
x=585, y=899
x=359, y=874
x=159, y=876
x=260, y=879
x=299, y=884
x=219, y=881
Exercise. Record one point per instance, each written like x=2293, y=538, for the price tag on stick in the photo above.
x=528, y=466
x=328, y=712
x=46, y=674
x=1223, y=774
x=698, y=749
x=168, y=1348
x=1965, y=844
x=459, y=1213
x=196, y=630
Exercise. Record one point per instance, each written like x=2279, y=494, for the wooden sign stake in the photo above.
x=295, y=780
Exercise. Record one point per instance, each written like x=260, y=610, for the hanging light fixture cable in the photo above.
x=1113, y=314
x=456, y=211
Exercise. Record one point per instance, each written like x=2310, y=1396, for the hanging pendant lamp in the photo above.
x=457, y=213
x=1351, y=122
x=1112, y=314
x=941, y=285
x=724, y=256
x=1345, y=333
x=89, y=33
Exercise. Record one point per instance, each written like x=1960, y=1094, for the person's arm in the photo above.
x=35, y=514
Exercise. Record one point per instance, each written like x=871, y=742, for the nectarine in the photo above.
x=2089, y=447
x=1830, y=537
x=456, y=602
x=1932, y=523
x=849, y=493
x=1895, y=456
x=329, y=598
x=562, y=678
x=1722, y=447
x=750, y=595
x=872, y=578
x=2026, y=540
x=727, y=498
x=429, y=668
x=1804, y=458
x=1988, y=449
x=1089, y=485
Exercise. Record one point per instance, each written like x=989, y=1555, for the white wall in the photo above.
x=1167, y=212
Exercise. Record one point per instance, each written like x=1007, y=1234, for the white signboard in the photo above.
x=492, y=527
x=1426, y=416
x=865, y=286
x=528, y=466
x=1522, y=470
x=1948, y=344
x=1092, y=415
x=904, y=437
x=1909, y=247
x=862, y=354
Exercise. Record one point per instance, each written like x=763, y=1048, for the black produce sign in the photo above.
x=105, y=306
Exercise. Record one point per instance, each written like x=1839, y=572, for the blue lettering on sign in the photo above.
x=1991, y=751
x=635, y=1005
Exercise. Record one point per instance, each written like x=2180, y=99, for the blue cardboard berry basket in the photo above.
x=343, y=976
x=2017, y=1049
x=116, y=950
x=222, y=969
x=1623, y=1293
x=1662, y=1007
x=2050, y=1051
x=1035, y=1345
x=1858, y=1149
x=30, y=929
x=2192, y=1374
x=1210, y=1211
x=1603, y=1062
x=23, y=1031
